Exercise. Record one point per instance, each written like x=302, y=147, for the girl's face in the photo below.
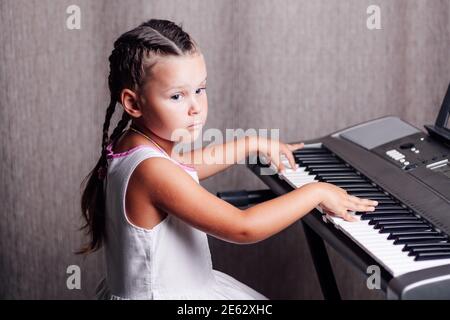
x=174, y=98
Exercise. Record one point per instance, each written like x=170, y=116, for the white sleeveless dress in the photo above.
x=170, y=261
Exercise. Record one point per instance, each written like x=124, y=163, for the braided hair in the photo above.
x=135, y=53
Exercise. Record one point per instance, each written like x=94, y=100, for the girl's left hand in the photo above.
x=273, y=150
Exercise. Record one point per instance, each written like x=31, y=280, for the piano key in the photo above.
x=361, y=189
x=300, y=180
x=320, y=166
x=414, y=252
x=406, y=219
x=308, y=162
x=385, y=206
x=318, y=155
x=389, y=204
x=379, y=224
x=391, y=209
x=297, y=171
x=395, y=235
x=311, y=151
x=347, y=185
x=316, y=158
x=335, y=171
x=386, y=202
x=339, y=175
x=344, y=180
x=432, y=256
x=417, y=239
x=405, y=227
x=370, y=195
x=369, y=215
x=380, y=199
x=312, y=154
x=438, y=244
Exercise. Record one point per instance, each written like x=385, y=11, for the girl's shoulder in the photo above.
x=126, y=145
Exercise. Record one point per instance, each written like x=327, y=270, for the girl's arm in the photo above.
x=173, y=191
x=213, y=159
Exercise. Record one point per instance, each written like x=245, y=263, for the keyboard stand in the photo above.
x=322, y=264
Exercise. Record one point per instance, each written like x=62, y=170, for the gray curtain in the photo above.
x=306, y=67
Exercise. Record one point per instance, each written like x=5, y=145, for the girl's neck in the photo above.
x=166, y=145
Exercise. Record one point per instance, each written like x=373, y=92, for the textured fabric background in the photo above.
x=306, y=67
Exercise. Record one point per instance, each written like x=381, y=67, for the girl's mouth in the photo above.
x=195, y=125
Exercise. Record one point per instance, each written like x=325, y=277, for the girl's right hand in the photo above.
x=337, y=202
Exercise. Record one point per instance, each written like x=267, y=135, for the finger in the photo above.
x=349, y=217
x=291, y=159
x=337, y=213
x=277, y=163
x=358, y=206
x=366, y=202
x=342, y=213
x=281, y=167
x=295, y=146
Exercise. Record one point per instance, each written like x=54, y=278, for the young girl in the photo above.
x=144, y=204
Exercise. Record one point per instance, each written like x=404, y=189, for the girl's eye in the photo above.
x=199, y=91
x=176, y=97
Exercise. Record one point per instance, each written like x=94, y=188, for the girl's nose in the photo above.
x=195, y=107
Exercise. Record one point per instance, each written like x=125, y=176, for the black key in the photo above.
x=406, y=219
x=315, y=157
x=333, y=166
x=382, y=223
x=312, y=151
x=390, y=213
x=394, y=235
x=352, y=185
x=395, y=210
x=432, y=256
x=371, y=215
x=327, y=176
x=336, y=181
x=361, y=189
x=370, y=195
x=417, y=239
x=406, y=227
x=437, y=244
x=306, y=163
x=387, y=202
x=326, y=170
x=378, y=198
x=385, y=206
x=390, y=207
x=414, y=252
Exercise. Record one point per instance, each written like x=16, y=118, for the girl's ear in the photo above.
x=130, y=103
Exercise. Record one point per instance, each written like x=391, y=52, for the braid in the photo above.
x=103, y=163
x=120, y=126
x=108, y=116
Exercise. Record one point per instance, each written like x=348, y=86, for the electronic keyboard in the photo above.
x=408, y=172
